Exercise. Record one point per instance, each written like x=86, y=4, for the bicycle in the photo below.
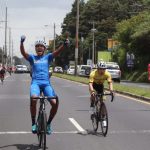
x=42, y=121
x=100, y=114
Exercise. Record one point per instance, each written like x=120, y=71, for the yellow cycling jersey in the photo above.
x=99, y=79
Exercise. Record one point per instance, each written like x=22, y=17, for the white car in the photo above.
x=84, y=70
x=71, y=70
x=114, y=70
x=21, y=69
x=58, y=69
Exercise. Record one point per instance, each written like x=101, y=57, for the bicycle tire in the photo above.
x=38, y=127
x=103, y=115
x=42, y=135
x=94, y=119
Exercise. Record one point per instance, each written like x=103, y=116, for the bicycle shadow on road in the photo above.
x=90, y=132
x=22, y=146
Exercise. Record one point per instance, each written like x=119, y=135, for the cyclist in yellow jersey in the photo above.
x=96, y=80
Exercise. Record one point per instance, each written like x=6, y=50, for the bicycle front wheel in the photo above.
x=94, y=119
x=103, y=119
x=42, y=133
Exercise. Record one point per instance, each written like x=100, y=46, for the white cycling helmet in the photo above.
x=40, y=42
x=101, y=65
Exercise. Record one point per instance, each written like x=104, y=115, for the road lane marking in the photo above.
x=79, y=132
x=134, y=99
x=28, y=132
x=130, y=131
x=15, y=132
x=75, y=123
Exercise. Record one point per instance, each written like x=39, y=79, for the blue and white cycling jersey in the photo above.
x=40, y=66
x=40, y=75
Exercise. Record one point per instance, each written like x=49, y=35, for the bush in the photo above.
x=143, y=77
x=137, y=76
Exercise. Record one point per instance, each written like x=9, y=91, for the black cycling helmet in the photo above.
x=101, y=65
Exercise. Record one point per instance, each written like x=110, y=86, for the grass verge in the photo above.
x=142, y=92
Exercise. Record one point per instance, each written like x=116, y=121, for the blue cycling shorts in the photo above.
x=46, y=88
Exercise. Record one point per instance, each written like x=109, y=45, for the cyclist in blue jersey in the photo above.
x=40, y=78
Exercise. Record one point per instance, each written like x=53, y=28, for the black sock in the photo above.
x=33, y=120
x=49, y=120
x=92, y=104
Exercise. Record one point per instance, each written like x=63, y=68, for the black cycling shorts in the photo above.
x=98, y=87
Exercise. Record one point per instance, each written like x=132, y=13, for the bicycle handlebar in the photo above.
x=105, y=94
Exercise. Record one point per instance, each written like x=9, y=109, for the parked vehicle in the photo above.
x=71, y=70
x=50, y=71
x=58, y=69
x=84, y=70
x=114, y=69
x=21, y=69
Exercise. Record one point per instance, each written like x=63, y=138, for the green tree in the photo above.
x=134, y=37
x=105, y=15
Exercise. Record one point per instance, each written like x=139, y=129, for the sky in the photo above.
x=33, y=18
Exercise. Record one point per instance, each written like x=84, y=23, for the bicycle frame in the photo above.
x=42, y=121
x=100, y=113
x=100, y=96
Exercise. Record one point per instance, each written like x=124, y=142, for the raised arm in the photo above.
x=61, y=48
x=57, y=51
x=22, y=50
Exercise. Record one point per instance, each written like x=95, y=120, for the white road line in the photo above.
x=65, y=132
x=15, y=132
x=133, y=99
x=76, y=132
x=75, y=123
x=28, y=132
x=130, y=131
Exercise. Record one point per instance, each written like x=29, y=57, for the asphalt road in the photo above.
x=129, y=121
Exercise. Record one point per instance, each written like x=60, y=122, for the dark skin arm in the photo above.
x=58, y=50
x=22, y=50
x=61, y=47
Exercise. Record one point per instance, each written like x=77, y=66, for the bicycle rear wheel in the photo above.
x=103, y=119
x=42, y=130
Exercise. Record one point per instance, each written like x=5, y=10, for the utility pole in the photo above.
x=77, y=37
x=5, y=53
x=93, y=46
x=3, y=50
x=54, y=46
x=12, y=54
x=10, y=46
